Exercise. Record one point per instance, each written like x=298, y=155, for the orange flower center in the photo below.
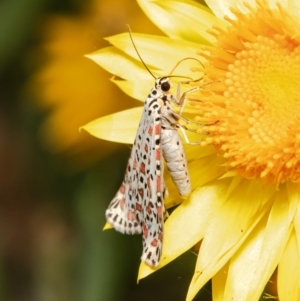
x=257, y=102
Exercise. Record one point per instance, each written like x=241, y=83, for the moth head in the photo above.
x=164, y=84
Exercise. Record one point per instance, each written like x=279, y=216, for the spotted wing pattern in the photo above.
x=138, y=205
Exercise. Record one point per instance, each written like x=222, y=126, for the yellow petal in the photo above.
x=254, y=263
x=161, y=53
x=236, y=181
x=116, y=62
x=136, y=89
x=218, y=283
x=285, y=3
x=242, y=264
x=194, y=152
x=229, y=227
x=187, y=223
x=293, y=7
x=294, y=196
x=230, y=174
x=297, y=224
x=187, y=20
x=119, y=127
x=205, y=169
x=288, y=272
x=222, y=8
x=107, y=226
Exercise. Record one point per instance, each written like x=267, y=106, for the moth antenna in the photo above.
x=187, y=58
x=129, y=31
x=180, y=76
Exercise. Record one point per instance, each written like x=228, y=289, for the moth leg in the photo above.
x=186, y=138
x=181, y=99
x=183, y=128
x=188, y=121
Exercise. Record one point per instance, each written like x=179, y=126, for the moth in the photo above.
x=138, y=206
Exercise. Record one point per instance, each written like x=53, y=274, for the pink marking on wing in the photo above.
x=122, y=203
x=122, y=189
x=150, y=130
x=138, y=207
x=142, y=168
x=145, y=230
x=131, y=215
x=134, y=164
x=158, y=184
x=157, y=129
x=154, y=243
x=159, y=211
x=158, y=154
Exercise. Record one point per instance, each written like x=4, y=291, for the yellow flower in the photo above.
x=245, y=206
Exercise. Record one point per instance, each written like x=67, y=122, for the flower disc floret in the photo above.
x=258, y=107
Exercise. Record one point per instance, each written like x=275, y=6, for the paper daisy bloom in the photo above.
x=245, y=203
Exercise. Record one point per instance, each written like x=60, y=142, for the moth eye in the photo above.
x=165, y=86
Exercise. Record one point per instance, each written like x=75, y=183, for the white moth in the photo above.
x=138, y=206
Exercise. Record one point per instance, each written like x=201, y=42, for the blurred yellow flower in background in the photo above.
x=69, y=86
x=245, y=206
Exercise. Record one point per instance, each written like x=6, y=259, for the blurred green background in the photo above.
x=55, y=181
